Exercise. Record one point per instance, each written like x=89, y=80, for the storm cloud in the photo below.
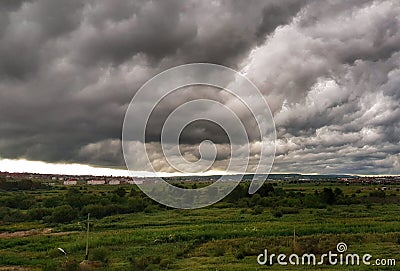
x=330, y=71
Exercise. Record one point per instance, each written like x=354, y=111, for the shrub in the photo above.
x=136, y=204
x=378, y=194
x=142, y=262
x=120, y=191
x=288, y=210
x=71, y=265
x=240, y=255
x=328, y=196
x=218, y=252
x=277, y=214
x=95, y=210
x=258, y=210
x=63, y=214
x=52, y=202
x=165, y=263
x=19, y=201
x=14, y=215
x=100, y=254
x=38, y=213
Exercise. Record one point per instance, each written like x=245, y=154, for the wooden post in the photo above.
x=87, y=238
x=294, y=237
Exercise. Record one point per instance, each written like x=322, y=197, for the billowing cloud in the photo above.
x=332, y=87
x=330, y=71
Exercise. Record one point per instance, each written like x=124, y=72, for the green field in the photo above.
x=130, y=232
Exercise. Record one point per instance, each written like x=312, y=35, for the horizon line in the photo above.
x=75, y=169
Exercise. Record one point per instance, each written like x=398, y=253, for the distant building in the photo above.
x=135, y=182
x=70, y=182
x=114, y=182
x=96, y=182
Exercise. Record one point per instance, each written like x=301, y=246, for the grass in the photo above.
x=214, y=238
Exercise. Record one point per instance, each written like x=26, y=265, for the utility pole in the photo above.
x=87, y=238
x=294, y=237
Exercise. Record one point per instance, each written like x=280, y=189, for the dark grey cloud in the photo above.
x=330, y=71
x=333, y=89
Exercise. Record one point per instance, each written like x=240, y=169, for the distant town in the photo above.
x=70, y=180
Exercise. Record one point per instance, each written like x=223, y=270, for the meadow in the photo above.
x=128, y=231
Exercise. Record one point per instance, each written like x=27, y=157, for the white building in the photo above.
x=135, y=182
x=96, y=182
x=114, y=182
x=70, y=182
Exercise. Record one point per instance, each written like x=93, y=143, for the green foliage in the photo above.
x=39, y=213
x=327, y=196
x=120, y=191
x=73, y=197
x=277, y=214
x=24, y=184
x=258, y=210
x=266, y=189
x=219, y=252
x=378, y=194
x=144, y=262
x=63, y=214
x=135, y=233
x=19, y=201
x=100, y=254
x=51, y=202
x=13, y=215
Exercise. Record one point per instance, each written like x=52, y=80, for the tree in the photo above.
x=74, y=198
x=266, y=189
x=338, y=192
x=327, y=196
x=239, y=192
x=63, y=214
x=120, y=192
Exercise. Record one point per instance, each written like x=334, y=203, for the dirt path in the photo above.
x=15, y=268
x=45, y=231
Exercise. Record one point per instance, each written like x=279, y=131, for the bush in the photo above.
x=24, y=184
x=74, y=198
x=136, y=204
x=120, y=191
x=288, y=210
x=258, y=210
x=38, y=213
x=218, y=252
x=14, y=215
x=165, y=263
x=51, y=266
x=95, y=210
x=142, y=262
x=277, y=214
x=52, y=202
x=71, y=265
x=19, y=201
x=245, y=250
x=378, y=194
x=100, y=211
x=328, y=196
x=100, y=254
x=240, y=254
x=63, y=214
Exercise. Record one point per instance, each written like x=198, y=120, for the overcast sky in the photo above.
x=330, y=71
